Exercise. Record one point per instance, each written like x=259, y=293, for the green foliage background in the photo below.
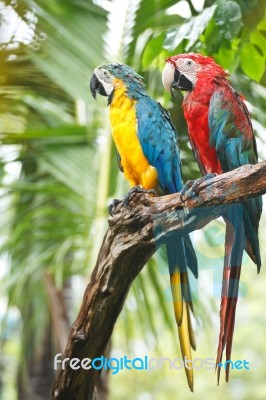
x=58, y=174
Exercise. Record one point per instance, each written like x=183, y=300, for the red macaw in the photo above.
x=222, y=139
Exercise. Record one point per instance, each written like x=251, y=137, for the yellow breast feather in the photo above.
x=124, y=130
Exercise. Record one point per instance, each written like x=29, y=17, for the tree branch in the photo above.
x=134, y=234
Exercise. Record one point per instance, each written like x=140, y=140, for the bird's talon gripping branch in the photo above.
x=197, y=183
x=187, y=191
x=111, y=208
x=192, y=187
x=137, y=189
x=126, y=199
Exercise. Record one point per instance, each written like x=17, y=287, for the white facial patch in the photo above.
x=168, y=76
x=106, y=79
x=189, y=68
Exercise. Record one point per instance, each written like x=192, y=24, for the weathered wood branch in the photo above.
x=134, y=234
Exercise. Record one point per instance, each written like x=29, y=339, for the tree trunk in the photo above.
x=135, y=231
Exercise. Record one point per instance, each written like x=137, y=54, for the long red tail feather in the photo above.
x=231, y=276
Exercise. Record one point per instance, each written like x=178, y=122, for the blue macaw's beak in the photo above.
x=180, y=82
x=96, y=87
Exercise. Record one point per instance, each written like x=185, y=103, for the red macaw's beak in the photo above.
x=173, y=79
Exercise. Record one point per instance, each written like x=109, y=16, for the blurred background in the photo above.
x=58, y=173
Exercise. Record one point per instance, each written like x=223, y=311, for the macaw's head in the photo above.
x=106, y=78
x=185, y=71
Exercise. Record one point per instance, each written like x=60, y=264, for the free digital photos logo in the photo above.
x=144, y=363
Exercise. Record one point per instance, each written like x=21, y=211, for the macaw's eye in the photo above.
x=105, y=73
x=189, y=62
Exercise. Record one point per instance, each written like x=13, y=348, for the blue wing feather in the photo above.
x=157, y=136
x=235, y=145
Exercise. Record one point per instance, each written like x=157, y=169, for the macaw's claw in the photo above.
x=137, y=189
x=186, y=191
x=191, y=188
x=126, y=199
x=111, y=208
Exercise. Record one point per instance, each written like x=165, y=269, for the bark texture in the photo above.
x=135, y=232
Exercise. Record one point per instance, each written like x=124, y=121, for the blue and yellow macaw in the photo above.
x=148, y=155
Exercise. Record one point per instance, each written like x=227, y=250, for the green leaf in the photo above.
x=256, y=37
x=228, y=54
x=150, y=14
x=74, y=43
x=228, y=18
x=62, y=134
x=262, y=25
x=191, y=30
x=199, y=25
x=225, y=56
x=175, y=36
x=253, y=11
x=212, y=38
x=152, y=50
x=252, y=62
x=71, y=165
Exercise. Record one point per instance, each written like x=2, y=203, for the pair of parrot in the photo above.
x=222, y=139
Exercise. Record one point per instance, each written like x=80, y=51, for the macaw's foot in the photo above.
x=126, y=199
x=111, y=208
x=191, y=188
x=137, y=189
